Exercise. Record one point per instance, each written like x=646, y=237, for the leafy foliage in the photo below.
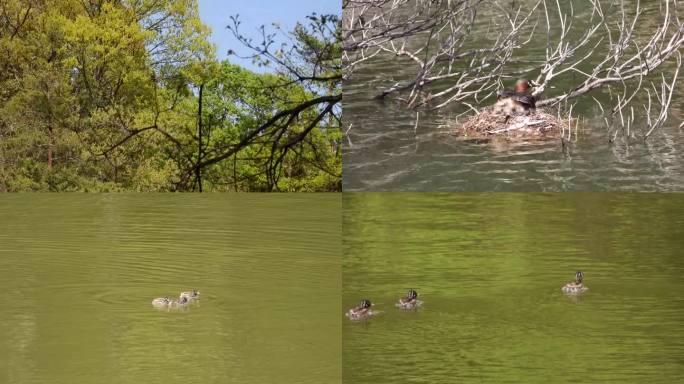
x=128, y=95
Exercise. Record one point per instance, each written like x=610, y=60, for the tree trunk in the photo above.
x=198, y=169
x=50, y=144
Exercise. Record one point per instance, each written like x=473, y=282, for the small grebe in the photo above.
x=194, y=295
x=410, y=301
x=577, y=286
x=521, y=95
x=163, y=302
x=361, y=311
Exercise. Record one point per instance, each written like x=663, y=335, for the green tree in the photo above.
x=128, y=95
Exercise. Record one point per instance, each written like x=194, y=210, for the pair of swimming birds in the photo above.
x=410, y=301
x=183, y=299
x=363, y=310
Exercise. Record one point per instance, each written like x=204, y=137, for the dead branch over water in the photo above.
x=587, y=45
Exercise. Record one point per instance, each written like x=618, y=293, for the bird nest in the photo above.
x=491, y=123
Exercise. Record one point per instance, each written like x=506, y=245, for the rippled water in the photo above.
x=489, y=268
x=78, y=273
x=386, y=150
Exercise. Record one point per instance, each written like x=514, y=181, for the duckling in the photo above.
x=164, y=302
x=410, y=301
x=194, y=295
x=361, y=311
x=508, y=108
x=575, y=287
x=182, y=301
x=161, y=302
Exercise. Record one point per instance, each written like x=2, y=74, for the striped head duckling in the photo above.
x=508, y=107
x=182, y=301
x=193, y=295
x=410, y=301
x=165, y=302
x=161, y=302
x=516, y=102
x=361, y=311
x=577, y=286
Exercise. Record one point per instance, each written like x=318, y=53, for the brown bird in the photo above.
x=522, y=95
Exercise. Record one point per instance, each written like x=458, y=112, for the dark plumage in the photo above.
x=521, y=95
x=527, y=101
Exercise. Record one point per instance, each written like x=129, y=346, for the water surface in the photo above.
x=489, y=268
x=78, y=273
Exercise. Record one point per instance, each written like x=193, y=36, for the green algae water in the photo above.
x=78, y=274
x=490, y=267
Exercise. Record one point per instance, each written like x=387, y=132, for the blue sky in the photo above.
x=253, y=14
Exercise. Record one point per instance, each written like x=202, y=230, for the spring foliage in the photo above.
x=107, y=95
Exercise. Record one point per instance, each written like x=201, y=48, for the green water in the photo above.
x=78, y=273
x=489, y=268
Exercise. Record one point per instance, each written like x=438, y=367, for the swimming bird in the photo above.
x=577, y=286
x=179, y=303
x=361, y=311
x=161, y=302
x=410, y=301
x=194, y=295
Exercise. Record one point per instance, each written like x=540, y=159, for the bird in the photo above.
x=410, y=301
x=163, y=302
x=193, y=295
x=361, y=311
x=521, y=95
x=577, y=286
x=516, y=102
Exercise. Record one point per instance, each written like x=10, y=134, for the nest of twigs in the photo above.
x=489, y=123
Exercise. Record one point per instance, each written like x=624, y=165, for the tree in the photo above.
x=128, y=95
